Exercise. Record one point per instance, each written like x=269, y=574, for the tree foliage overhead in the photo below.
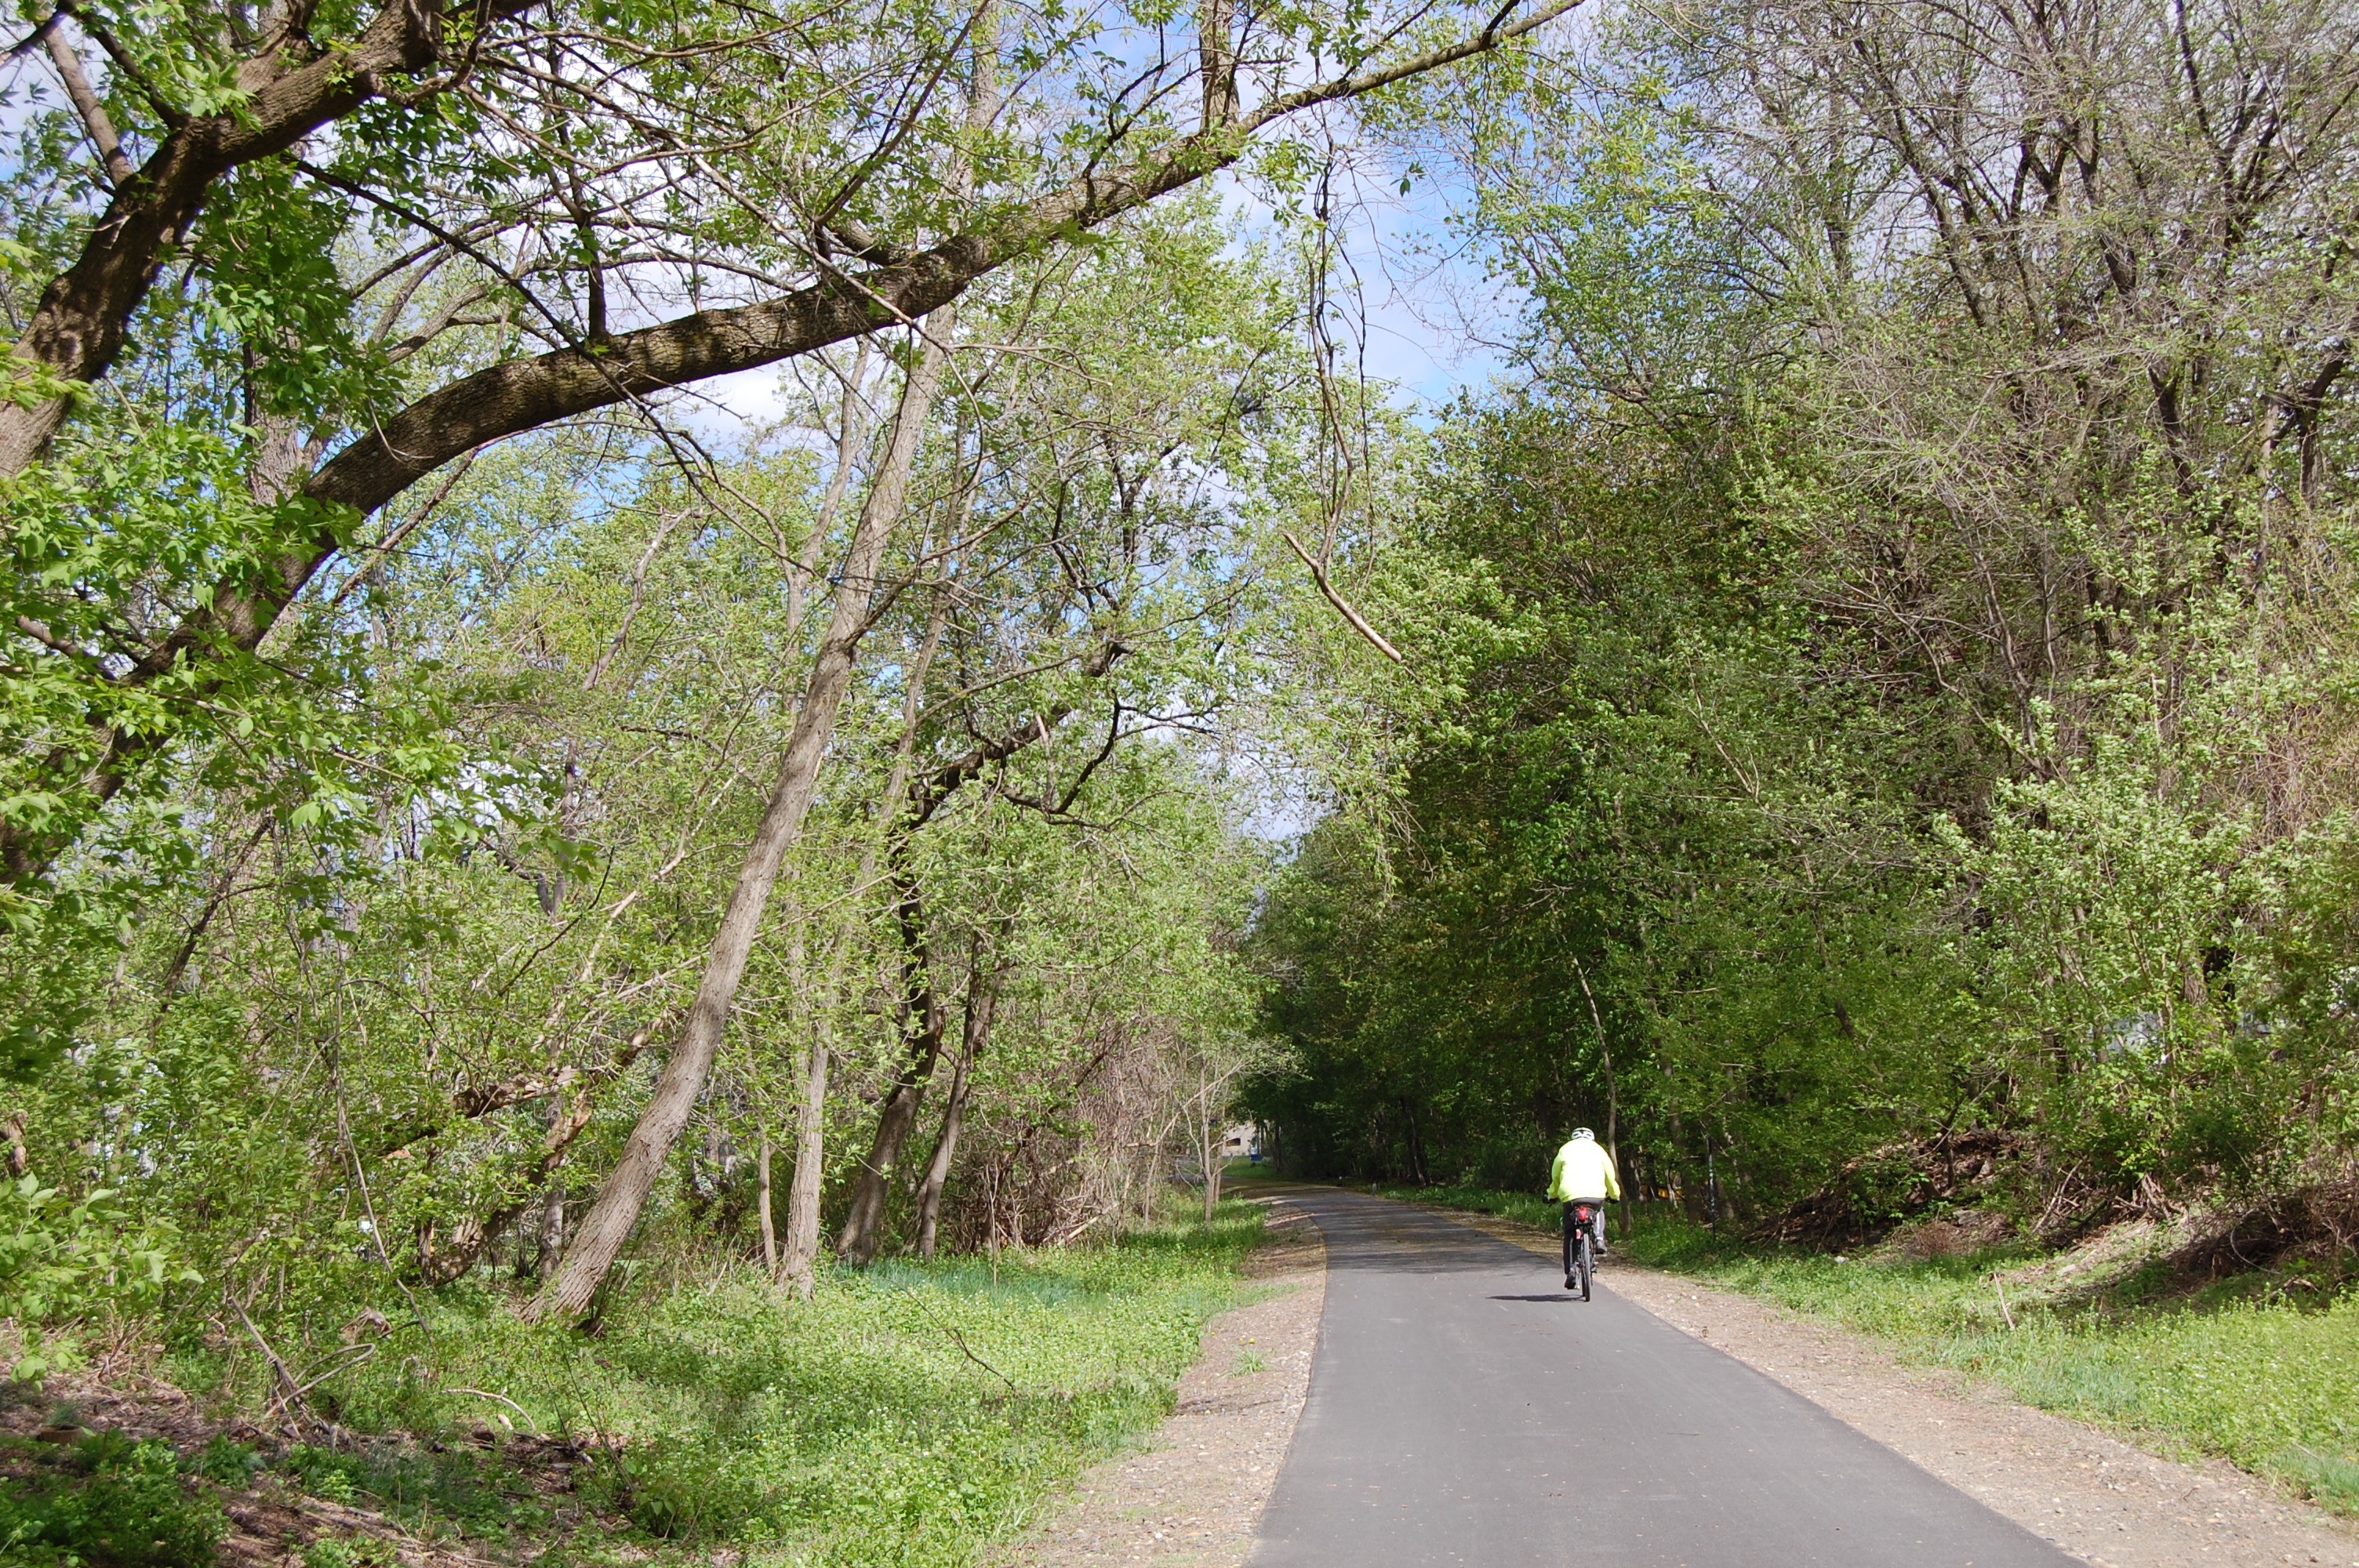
x=325, y=254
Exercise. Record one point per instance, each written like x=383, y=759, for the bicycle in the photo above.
x=1579, y=1233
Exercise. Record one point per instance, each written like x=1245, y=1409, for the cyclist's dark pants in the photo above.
x=1596, y=1227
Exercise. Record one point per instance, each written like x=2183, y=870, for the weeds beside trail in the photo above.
x=904, y=1416
x=2262, y=1367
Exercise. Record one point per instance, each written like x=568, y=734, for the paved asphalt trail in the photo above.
x=1467, y=1412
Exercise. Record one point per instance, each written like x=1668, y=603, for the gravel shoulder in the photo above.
x=1191, y=1499
x=2096, y=1497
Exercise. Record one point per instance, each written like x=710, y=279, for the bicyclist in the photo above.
x=1583, y=1173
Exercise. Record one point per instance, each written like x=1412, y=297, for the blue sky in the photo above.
x=1434, y=322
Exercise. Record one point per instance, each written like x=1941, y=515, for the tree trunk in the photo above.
x=861, y=1233
x=896, y=788
x=938, y=1171
x=862, y=1223
x=802, y=1196
x=811, y=1109
x=762, y=1204
x=982, y=1003
x=552, y=1236
x=1210, y=1154
x=549, y=1234
x=599, y=1240
x=864, y=1227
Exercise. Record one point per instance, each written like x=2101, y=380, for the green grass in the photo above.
x=904, y=1416
x=2259, y=1368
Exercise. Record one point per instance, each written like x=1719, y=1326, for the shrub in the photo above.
x=60, y=1259
x=322, y=1472
x=133, y=1510
x=226, y=1461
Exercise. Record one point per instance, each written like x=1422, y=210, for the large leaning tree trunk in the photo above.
x=608, y=1224
x=599, y=1239
x=796, y=1252
x=982, y=1005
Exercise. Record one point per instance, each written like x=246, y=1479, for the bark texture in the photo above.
x=802, y=1254
x=762, y=1203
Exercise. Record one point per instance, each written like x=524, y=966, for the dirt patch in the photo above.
x=1948, y=1235
x=1976, y=1168
x=2096, y=1497
x=2302, y=1241
x=1193, y=1500
x=270, y=1521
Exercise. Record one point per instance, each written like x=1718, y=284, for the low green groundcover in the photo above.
x=905, y=1415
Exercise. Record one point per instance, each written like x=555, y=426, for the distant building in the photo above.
x=1242, y=1140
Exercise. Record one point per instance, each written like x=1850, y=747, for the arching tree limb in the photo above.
x=79, y=327
x=290, y=88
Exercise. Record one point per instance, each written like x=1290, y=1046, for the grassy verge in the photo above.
x=906, y=1415
x=2261, y=1369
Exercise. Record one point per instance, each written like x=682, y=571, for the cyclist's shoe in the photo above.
x=1569, y=1284
x=1603, y=1250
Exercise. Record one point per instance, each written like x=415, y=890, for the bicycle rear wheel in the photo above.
x=1581, y=1266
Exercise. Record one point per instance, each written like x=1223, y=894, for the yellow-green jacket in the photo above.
x=1582, y=1170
